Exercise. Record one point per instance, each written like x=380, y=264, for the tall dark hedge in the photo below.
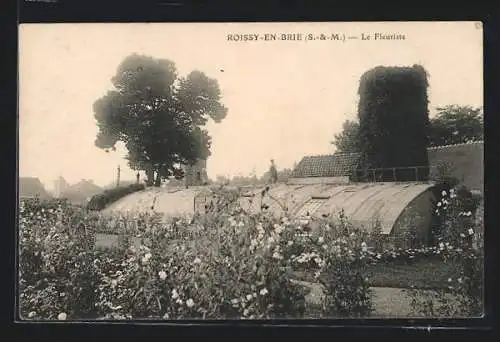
x=394, y=119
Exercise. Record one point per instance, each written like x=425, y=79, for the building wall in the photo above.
x=463, y=161
x=196, y=174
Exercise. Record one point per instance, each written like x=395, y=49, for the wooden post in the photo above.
x=416, y=174
x=373, y=174
x=394, y=173
x=118, y=177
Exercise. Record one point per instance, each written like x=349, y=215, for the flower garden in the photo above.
x=232, y=265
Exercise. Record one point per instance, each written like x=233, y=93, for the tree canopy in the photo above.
x=453, y=124
x=158, y=115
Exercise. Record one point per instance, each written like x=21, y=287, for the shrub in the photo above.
x=337, y=254
x=100, y=201
x=192, y=270
x=393, y=120
x=464, y=295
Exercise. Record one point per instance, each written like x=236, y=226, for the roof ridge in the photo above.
x=331, y=154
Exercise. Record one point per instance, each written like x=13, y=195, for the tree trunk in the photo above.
x=150, y=177
x=158, y=179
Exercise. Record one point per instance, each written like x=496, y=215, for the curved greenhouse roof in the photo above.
x=363, y=203
x=170, y=202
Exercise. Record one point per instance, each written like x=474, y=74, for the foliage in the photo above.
x=347, y=140
x=455, y=124
x=464, y=295
x=158, y=115
x=393, y=118
x=209, y=270
x=224, y=264
x=100, y=201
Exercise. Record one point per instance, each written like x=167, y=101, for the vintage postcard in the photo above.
x=250, y=171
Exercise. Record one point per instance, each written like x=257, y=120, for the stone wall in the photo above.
x=463, y=161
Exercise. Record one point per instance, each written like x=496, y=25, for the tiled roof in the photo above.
x=333, y=165
x=343, y=164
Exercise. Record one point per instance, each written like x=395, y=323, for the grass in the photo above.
x=423, y=274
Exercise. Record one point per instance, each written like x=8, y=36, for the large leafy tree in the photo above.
x=347, y=140
x=158, y=116
x=453, y=124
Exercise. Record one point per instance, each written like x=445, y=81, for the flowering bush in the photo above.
x=55, y=273
x=208, y=269
x=337, y=254
x=223, y=264
x=464, y=295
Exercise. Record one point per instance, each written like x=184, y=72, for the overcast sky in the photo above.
x=286, y=99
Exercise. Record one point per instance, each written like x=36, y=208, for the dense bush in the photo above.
x=100, y=201
x=180, y=271
x=459, y=231
x=393, y=120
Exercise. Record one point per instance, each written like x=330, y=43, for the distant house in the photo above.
x=60, y=186
x=82, y=191
x=30, y=187
x=333, y=168
x=196, y=174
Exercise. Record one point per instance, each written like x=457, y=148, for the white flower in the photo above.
x=471, y=231
x=439, y=204
x=276, y=255
x=241, y=224
x=443, y=193
x=189, y=303
x=449, y=280
x=270, y=240
x=460, y=280
x=441, y=245
x=234, y=301
x=197, y=261
x=175, y=295
x=254, y=295
x=462, y=235
x=162, y=275
x=249, y=297
x=31, y=314
x=114, y=282
x=62, y=316
x=364, y=247
x=179, y=301
x=321, y=239
x=468, y=213
x=290, y=242
x=245, y=312
x=263, y=292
